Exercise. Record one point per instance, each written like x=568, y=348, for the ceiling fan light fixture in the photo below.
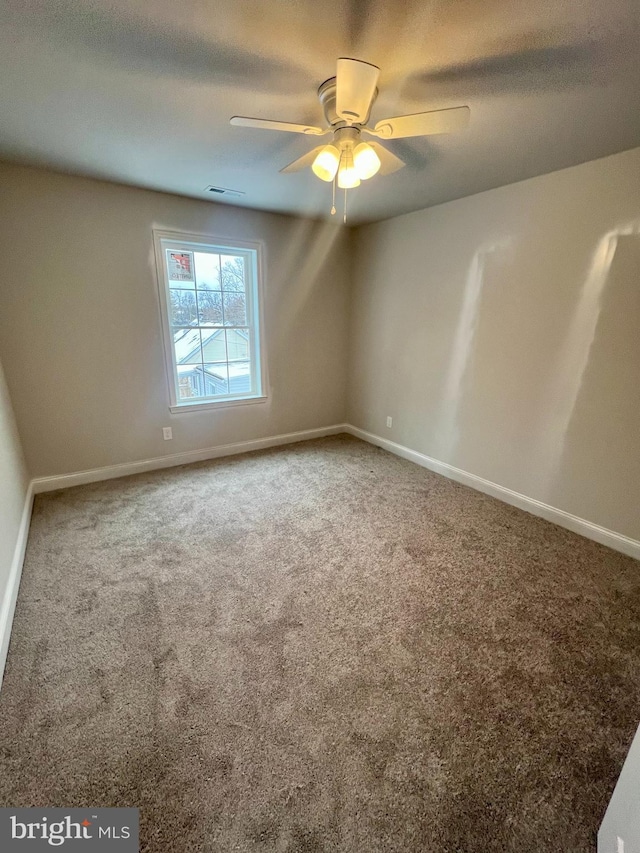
x=346, y=100
x=366, y=161
x=326, y=163
x=348, y=177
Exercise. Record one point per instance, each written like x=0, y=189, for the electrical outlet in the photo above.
x=620, y=845
x=389, y=422
x=167, y=433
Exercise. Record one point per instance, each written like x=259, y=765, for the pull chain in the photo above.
x=344, y=218
x=333, y=197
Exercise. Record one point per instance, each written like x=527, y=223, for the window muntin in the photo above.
x=210, y=310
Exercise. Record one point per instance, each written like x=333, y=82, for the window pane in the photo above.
x=207, y=271
x=235, y=309
x=187, y=346
x=232, y=272
x=216, y=378
x=240, y=377
x=183, y=307
x=237, y=344
x=214, y=345
x=180, y=269
x=210, y=305
x=190, y=382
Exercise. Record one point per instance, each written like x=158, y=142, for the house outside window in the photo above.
x=210, y=305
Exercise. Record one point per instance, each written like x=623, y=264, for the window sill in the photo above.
x=209, y=405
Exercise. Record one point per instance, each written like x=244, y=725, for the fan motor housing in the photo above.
x=327, y=97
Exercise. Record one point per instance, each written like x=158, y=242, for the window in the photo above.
x=209, y=299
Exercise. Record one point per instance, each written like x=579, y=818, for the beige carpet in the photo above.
x=319, y=648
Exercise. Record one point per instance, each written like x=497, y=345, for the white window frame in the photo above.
x=253, y=251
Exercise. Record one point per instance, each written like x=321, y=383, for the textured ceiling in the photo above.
x=141, y=91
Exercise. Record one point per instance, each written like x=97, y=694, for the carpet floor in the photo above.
x=319, y=648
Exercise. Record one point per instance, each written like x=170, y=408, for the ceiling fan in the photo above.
x=346, y=100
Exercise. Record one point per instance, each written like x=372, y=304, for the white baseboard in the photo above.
x=8, y=604
x=110, y=472
x=603, y=535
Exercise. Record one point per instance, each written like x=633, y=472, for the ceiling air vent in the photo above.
x=224, y=191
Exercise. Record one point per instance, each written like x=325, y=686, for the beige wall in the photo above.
x=499, y=331
x=502, y=334
x=80, y=333
x=13, y=491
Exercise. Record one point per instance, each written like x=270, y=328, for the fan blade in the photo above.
x=267, y=124
x=388, y=162
x=303, y=162
x=423, y=124
x=355, y=89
